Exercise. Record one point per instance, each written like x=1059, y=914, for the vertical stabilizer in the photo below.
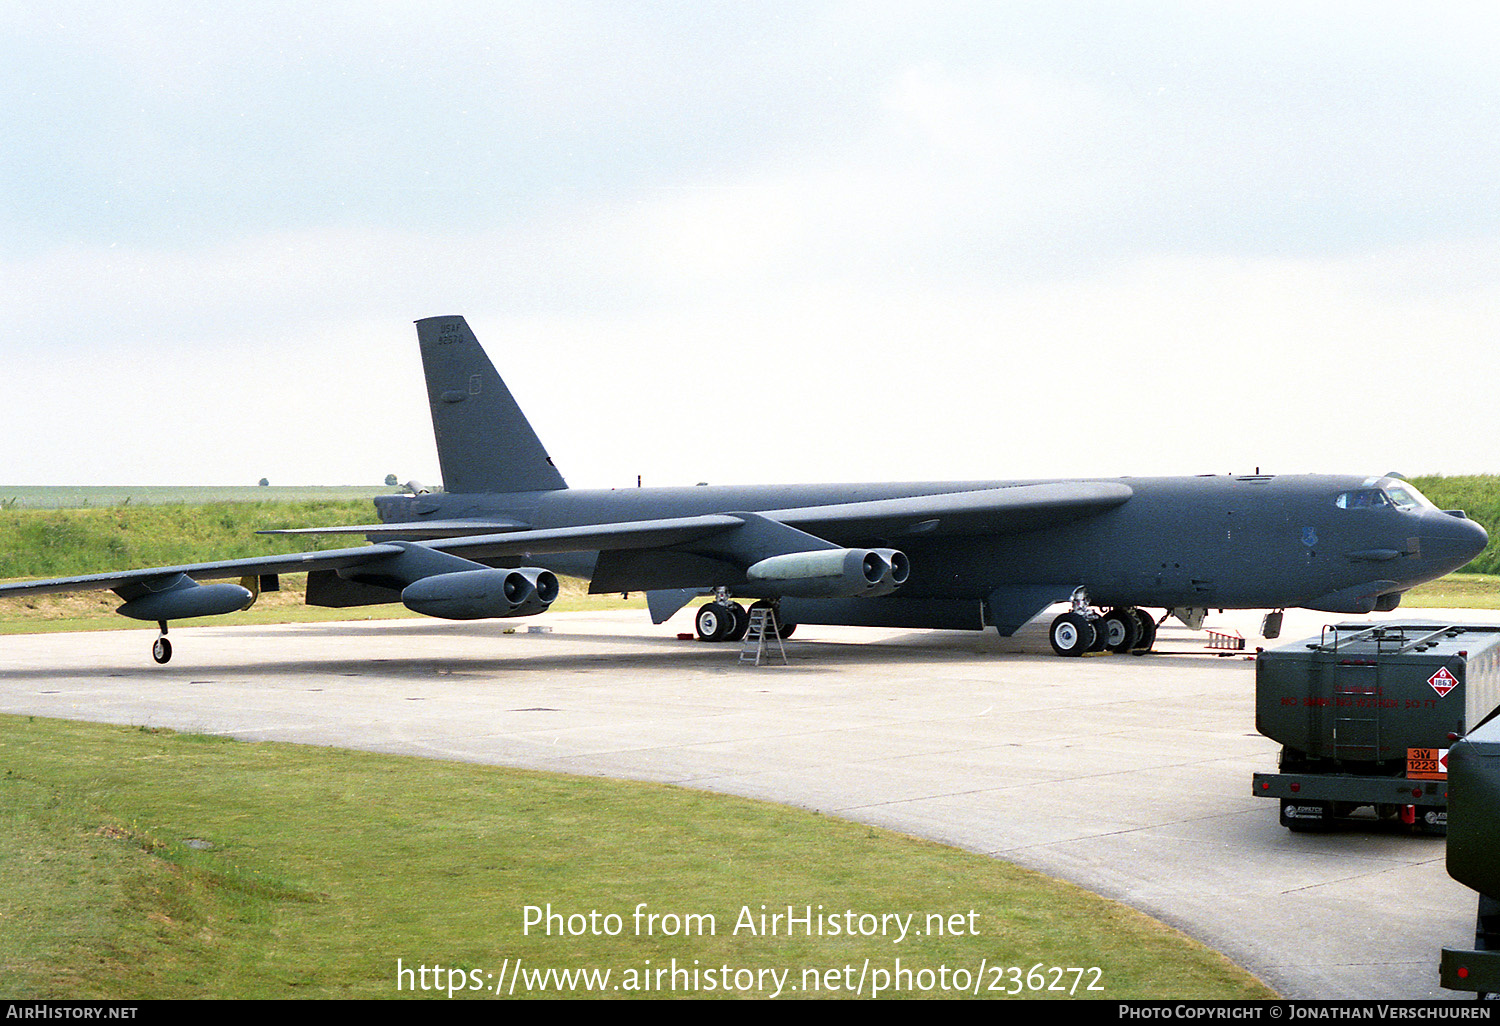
x=484, y=442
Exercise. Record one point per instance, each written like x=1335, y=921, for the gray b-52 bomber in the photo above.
x=953, y=555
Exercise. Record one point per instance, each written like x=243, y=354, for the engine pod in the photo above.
x=482, y=594
x=832, y=573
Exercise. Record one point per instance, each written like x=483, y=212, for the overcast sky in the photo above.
x=752, y=242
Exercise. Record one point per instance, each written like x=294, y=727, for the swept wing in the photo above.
x=1013, y=508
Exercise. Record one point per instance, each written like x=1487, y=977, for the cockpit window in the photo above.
x=1362, y=498
x=1405, y=497
x=1391, y=494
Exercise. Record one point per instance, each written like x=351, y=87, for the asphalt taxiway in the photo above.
x=1127, y=775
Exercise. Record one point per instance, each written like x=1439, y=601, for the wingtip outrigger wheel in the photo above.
x=161, y=648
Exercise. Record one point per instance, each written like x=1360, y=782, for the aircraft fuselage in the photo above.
x=1260, y=541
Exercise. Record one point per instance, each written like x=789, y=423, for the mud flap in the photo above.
x=1305, y=815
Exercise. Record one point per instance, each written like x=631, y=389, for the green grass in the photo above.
x=65, y=542
x=1456, y=591
x=85, y=496
x=323, y=867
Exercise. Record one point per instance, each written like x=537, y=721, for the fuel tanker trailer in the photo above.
x=1366, y=714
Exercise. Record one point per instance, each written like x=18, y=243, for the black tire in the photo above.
x=1097, y=622
x=714, y=622
x=741, y=622
x=161, y=650
x=1122, y=630
x=783, y=630
x=1147, y=640
x=1071, y=634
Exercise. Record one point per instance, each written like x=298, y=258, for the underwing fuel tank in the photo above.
x=482, y=594
x=832, y=573
x=180, y=598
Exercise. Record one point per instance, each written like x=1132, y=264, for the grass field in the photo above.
x=142, y=863
x=1456, y=591
x=146, y=864
x=96, y=496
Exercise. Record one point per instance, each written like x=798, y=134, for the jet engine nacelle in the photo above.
x=182, y=597
x=482, y=594
x=833, y=573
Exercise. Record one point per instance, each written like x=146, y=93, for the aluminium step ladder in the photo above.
x=762, y=633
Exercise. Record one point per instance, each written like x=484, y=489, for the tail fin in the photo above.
x=484, y=441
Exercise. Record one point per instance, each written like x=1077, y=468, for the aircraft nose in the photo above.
x=1450, y=541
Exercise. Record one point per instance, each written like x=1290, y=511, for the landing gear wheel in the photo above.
x=740, y=622
x=783, y=630
x=714, y=622
x=1071, y=634
x=161, y=650
x=1147, y=639
x=1122, y=630
x=1097, y=622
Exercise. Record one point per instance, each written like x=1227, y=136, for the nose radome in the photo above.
x=1451, y=541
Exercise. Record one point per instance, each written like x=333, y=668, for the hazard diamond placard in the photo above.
x=1443, y=682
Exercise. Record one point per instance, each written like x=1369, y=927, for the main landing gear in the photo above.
x=723, y=620
x=1082, y=629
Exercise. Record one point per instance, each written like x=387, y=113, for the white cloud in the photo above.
x=990, y=241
